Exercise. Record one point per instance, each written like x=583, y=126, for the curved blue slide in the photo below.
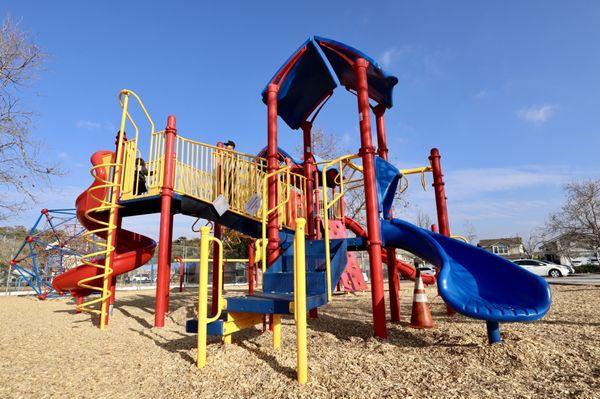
x=473, y=281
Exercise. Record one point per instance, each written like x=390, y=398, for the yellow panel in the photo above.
x=240, y=321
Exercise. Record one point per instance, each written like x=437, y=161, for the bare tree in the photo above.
x=533, y=242
x=424, y=221
x=578, y=220
x=469, y=232
x=20, y=168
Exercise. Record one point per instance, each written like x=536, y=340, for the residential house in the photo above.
x=509, y=248
x=564, y=250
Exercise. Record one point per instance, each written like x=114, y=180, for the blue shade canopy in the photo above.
x=304, y=87
x=313, y=71
x=381, y=84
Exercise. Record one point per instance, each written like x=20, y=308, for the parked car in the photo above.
x=571, y=269
x=542, y=268
x=141, y=279
x=577, y=262
x=428, y=270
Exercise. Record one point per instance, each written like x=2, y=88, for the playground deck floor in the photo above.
x=46, y=350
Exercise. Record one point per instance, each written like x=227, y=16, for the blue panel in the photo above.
x=388, y=177
x=381, y=84
x=304, y=87
x=472, y=280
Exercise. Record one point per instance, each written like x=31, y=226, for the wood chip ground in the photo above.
x=48, y=351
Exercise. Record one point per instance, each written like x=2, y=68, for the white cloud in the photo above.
x=480, y=95
x=537, y=115
x=92, y=125
x=387, y=57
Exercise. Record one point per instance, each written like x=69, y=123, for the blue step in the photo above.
x=279, y=282
x=282, y=281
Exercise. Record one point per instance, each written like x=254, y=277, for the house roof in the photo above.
x=506, y=241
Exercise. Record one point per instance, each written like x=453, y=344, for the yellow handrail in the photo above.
x=265, y=212
x=110, y=185
x=203, y=319
x=300, y=301
x=459, y=237
x=340, y=162
x=412, y=171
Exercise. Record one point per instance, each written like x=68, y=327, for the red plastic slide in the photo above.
x=406, y=270
x=133, y=250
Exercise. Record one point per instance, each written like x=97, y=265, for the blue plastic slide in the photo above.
x=473, y=281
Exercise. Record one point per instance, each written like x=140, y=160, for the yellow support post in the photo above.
x=227, y=339
x=203, y=296
x=300, y=301
x=276, y=331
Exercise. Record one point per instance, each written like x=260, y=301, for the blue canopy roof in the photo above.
x=313, y=71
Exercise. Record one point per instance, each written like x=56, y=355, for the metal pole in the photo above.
x=272, y=165
x=440, y=200
x=166, y=223
x=393, y=280
x=367, y=153
x=309, y=167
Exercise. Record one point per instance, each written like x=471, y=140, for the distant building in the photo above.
x=509, y=248
x=566, y=250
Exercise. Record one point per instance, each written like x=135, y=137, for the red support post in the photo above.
x=272, y=165
x=79, y=299
x=309, y=167
x=367, y=153
x=166, y=226
x=440, y=200
x=251, y=267
x=393, y=279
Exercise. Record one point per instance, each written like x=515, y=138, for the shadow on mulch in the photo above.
x=345, y=329
x=568, y=323
x=269, y=359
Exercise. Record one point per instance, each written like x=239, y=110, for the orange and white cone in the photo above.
x=421, y=314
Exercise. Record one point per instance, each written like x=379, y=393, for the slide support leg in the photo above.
x=493, y=332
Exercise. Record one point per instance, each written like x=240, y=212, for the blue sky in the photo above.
x=508, y=91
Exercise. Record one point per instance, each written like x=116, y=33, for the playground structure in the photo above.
x=294, y=210
x=52, y=246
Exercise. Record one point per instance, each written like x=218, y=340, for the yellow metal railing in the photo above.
x=203, y=319
x=345, y=182
x=110, y=175
x=205, y=171
x=100, y=258
x=460, y=238
x=412, y=171
x=300, y=301
x=289, y=185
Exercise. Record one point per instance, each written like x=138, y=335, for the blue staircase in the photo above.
x=278, y=291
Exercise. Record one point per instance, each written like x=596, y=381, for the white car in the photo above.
x=543, y=268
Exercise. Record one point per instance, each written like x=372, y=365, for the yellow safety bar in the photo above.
x=107, y=203
x=203, y=319
x=265, y=212
x=130, y=181
x=412, y=171
x=300, y=301
x=459, y=237
x=327, y=204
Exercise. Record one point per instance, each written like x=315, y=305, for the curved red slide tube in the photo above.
x=406, y=270
x=133, y=250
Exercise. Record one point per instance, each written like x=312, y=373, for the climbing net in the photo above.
x=53, y=245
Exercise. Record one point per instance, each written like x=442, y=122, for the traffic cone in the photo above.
x=421, y=314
